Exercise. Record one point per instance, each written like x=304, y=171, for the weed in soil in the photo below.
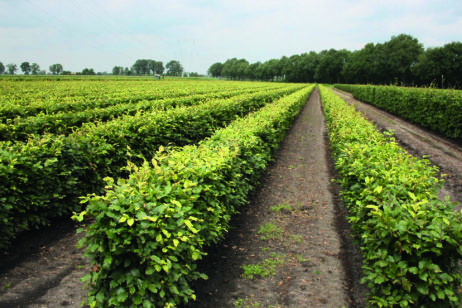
x=264, y=269
x=270, y=231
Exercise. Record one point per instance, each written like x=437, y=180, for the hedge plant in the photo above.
x=410, y=240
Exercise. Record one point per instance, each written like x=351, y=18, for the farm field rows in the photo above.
x=149, y=229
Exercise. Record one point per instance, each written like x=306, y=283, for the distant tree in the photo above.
x=66, y=73
x=234, y=68
x=157, y=67
x=88, y=71
x=25, y=67
x=117, y=70
x=441, y=66
x=127, y=72
x=174, y=68
x=330, y=65
x=35, y=68
x=42, y=72
x=194, y=74
x=56, y=69
x=402, y=52
x=2, y=68
x=141, y=67
x=251, y=70
x=12, y=68
x=215, y=69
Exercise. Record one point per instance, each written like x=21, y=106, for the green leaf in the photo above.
x=122, y=295
x=130, y=222
x=422, y=288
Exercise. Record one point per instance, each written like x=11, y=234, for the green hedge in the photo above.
x=148, y=231
x=19, y=129
x=44, y=177
x=44, y=97
x=410, y=240
x=437, y=110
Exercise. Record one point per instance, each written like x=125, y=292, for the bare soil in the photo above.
x=295, y=221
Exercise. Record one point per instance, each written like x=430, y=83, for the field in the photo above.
x=166, y=166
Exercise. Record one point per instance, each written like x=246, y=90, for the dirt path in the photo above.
x=43, y=269
x=294, y=222
x=443, y=153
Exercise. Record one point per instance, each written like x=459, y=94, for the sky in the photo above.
x=101, y=34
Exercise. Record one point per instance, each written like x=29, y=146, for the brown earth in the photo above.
x=304, y=233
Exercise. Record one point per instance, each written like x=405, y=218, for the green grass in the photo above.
x=264, y=269
x=270, y=231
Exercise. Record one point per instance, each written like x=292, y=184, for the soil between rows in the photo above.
x=316, y=263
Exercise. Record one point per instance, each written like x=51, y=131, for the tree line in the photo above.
x=401, y=60
x=140, y=67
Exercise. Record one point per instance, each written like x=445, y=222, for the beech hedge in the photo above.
x=148, y=231
x=410, y=240
x=43, y=178
x=434, y=109
x=19, y=129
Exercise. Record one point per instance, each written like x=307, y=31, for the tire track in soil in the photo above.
x=318, y=265
x=441, y=152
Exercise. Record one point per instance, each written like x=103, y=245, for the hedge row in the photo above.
x=149, y=230
x=410, y=240
x=18, y=129
x=50, y=103
x=44, y=177
x=437, y=110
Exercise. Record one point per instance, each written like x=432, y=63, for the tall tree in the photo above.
x=174, y=68
x=157, y=67
x=330, y=65
x=402, y=52
x=35, y=68
x=215, y=69
x=141, y=67
x=56, y=69
x=117, y=70
x=2, y=68
x=88, y=71
x=25, y=67
x=12, y=68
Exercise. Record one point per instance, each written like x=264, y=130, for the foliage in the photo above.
x=64, y=168
x=410, y=240
x=56, y=69
x=174, y=68
x=150, y=229
x=88, y=71
x=438, y=110
x=26, y=68
x=12, y=68
x=19, y=129
x=401, y=60
x=142, y=67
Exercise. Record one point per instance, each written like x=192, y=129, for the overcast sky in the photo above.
x=100, y=34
